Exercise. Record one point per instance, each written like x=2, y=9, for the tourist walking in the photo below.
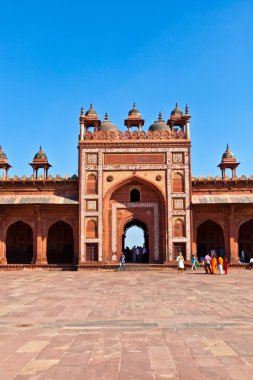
x=194, y=263
x=122, y=262
x=180, y=263
x=207, y=264
x=220, y=264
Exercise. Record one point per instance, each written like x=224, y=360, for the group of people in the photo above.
x=210, y=263
x=136, y=254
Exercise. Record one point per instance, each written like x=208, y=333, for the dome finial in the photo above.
x=40, y=148
x=160, y=117
x=91, y=112
x=176, y=112
x=106, y=116
x=134, y=111
x=81, y=112
x=186, y=110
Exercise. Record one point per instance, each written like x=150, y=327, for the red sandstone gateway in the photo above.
x=131, y=178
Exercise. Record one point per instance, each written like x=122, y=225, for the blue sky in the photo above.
x=56, y=56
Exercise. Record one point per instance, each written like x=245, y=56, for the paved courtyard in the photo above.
x=126, y=325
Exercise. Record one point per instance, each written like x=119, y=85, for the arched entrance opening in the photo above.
x=19, y=244
x=122, y=204
x=135, y=242
x=245, y=240
x=60, y=244
x=210, y=237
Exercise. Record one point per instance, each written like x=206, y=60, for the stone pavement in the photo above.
x=126, y=325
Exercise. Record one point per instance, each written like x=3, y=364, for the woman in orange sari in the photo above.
x=213, y=264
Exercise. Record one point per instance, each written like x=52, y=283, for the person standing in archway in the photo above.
x=134, y=254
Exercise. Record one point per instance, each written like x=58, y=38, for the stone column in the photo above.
x=39, y=257
x=3, y=260
x=233, y=238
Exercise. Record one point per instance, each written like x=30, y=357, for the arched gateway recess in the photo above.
x=19, y=244
x=60, y=244
x=245, y=239
x=143, y=254
x=210, y=236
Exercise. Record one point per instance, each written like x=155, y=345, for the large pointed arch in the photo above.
x=245, y=240
x=118, y=208
x=19, y=243
x=60, y=243
x=210, y=236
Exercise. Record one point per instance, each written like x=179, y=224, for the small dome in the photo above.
x=91, y=111
x=177, y=111
x=134, y=111
x=159, y=125
x=40, y=155
x=228, y=154
x=2, y=154
x=106, y=125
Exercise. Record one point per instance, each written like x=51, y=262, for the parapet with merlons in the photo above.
x=134, y=135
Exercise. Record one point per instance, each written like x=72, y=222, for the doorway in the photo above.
x=135, y=242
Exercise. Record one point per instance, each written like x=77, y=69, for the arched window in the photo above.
x=91, y=187
x=135, y=195
x=178, y=183
x=178, y=230
x=91, y=229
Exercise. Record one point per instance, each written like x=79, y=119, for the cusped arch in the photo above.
x=131, y=221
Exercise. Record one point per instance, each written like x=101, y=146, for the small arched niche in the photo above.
x=178, y=183
x=135, y=195
x=91, y=184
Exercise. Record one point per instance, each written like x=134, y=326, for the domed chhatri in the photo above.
x=4, y=164
x=134, y=112
x=40, y=155
x=40, y=162
x=91, y=111
x=228, y=161
x=134, y=119
x=159, y=125
x=107, y=125
x=177, y=111
x=3, y=156
x=228, y=155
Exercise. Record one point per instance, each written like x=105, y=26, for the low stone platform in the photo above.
x=126, y=325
